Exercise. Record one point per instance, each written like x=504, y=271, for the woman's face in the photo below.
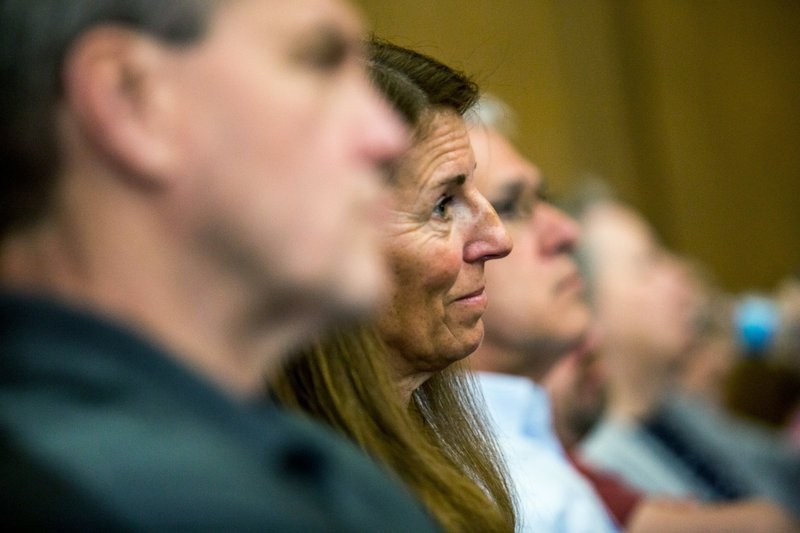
x=441, y=232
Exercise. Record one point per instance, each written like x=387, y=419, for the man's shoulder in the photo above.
x=617, y=446
x=134, y=465
x=137, y=440
x=145, y=466
x=626, y=450
x=613, y=434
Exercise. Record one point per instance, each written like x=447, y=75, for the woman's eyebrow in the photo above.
x=458, y=180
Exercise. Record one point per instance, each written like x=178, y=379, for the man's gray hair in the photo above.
x=491, y=112
x=35, y=38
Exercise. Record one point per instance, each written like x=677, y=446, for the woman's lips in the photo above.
x=477, y=297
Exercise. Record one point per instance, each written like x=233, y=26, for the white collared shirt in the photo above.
x=552, y=495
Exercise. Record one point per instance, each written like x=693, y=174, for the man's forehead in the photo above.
x=516, y=177
x=510, y=163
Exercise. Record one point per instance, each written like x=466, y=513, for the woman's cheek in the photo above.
x=427, y=261
x=441, y=268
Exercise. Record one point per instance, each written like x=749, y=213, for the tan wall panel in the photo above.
x=689, y=107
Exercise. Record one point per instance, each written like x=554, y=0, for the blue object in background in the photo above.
x=756, y=320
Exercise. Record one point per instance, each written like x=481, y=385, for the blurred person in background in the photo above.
x=767, y=327
x=189, y=189
x=768, y=324
x=787, y=297
x=538, y=318
x=538, y=313
x=394, y=385
x=706, y=370
x=577, y=387
x=656, y=440
x=697, y=404
x=747, y=342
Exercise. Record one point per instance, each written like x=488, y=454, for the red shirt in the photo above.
x=619, y=498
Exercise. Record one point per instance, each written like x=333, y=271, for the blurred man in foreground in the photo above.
x=190, y=188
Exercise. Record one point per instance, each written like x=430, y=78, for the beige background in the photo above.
x=688, y=107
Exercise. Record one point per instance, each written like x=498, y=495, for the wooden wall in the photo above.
x=690, y=108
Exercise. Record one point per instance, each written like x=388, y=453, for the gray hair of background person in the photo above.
x=492, y=112
x=34, y=43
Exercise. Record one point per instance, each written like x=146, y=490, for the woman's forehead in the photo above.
x=443, y=151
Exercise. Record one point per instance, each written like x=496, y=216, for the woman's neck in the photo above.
x=408, y=383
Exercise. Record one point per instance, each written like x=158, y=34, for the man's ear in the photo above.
x=116, y=88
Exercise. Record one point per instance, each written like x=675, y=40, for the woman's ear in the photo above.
x=118, y=91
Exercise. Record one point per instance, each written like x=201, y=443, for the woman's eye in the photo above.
x=442, y=208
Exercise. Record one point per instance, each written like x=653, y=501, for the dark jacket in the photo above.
x=101, y=429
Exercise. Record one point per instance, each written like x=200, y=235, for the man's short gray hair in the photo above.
x=35, y=38
x=491, y=112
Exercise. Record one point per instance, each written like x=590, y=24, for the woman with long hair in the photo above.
x=395, y=386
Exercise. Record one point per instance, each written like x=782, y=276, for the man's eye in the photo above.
x=327, y=52
x=514, y=209
x=329, y=56
x=505, y=208
x=442, y=208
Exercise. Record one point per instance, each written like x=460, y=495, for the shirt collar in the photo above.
x=517, y=404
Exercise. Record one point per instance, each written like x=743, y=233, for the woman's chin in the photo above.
x=468, y=342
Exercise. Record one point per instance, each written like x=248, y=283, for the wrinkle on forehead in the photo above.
x=444, y=151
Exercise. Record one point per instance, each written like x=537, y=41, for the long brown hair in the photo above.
x=439, y=444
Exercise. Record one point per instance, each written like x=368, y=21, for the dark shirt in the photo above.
x=100, y=429
x=720, y=483
x=749, y=459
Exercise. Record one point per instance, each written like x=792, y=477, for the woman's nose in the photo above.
x=489, y=239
